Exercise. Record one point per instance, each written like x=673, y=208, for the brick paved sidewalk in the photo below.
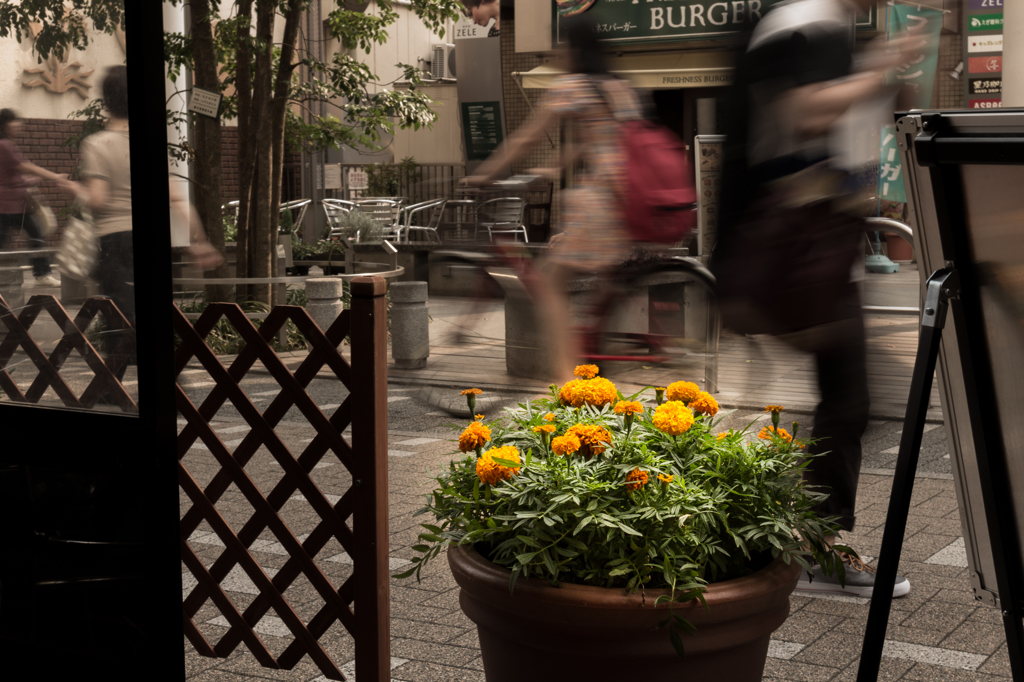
x=937, y=632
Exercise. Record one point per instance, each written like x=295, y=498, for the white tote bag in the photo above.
x=79, y=249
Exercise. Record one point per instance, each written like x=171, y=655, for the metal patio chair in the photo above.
x=424, y=216
x=503, y=216
x=335, y=211
x=385, y=212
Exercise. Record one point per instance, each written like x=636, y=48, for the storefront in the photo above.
x=681, y=53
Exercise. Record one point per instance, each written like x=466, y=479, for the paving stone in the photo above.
x=889, y=670
x=421, y=671
x=935, y=616
x=777, y=669
x=443, y=654
x=838, y=649
x=932, y=673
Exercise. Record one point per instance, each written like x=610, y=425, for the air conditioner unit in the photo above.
x=442, y=61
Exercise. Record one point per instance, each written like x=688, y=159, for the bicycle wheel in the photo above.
x=660, y=324
x=467, y=336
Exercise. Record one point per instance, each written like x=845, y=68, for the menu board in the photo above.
x=709, y=182
x=983, y=35
x=481, y=126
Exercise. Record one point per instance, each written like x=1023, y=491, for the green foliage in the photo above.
x=230, y=228
x=729, y=508
x=224, y=339
x=63, y=23
x=391, y=179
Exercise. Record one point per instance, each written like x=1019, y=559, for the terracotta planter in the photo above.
x=899, y=249
x=579, y=632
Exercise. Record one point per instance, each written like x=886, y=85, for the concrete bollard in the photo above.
x=324, y=303
x=410, y=335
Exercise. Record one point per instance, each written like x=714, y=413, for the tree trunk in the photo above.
x=207, y=168
x=246, y=155
x=279, y=104
x=263, y=232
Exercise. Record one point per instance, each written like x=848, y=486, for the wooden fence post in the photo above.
x=370, y=452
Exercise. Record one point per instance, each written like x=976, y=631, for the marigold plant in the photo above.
x=705, y=404
x=585, y=371
x=723, y=506
x=629, y=407
x=683, y=391
x=769, y=431
x=493, y=472
x=593, y=438
x=673, y=417
x=474, y=436
x=636, y=479
x=565, y=445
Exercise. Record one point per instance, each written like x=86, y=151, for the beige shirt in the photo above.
x=105, y=156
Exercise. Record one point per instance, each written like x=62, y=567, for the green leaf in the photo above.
x=677, y=642
x=508, y=463
x=421, y=548
x=527, y=540
x=405, y=574
x=526, y=558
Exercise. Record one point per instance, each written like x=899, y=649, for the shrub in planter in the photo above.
x=584, y=521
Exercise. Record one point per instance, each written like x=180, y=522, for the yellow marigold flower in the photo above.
x=593, y=438
x=565, y=445
x=490, y=471
x=705, y=404
x=471, y=391
x=673, y=418
x=628, y=407
x=636, y=479
x=766, y=433
x=683, y=391
x=724, y=434
x=585, y=371
x=774, y=408
x=475, y=435
x=549, y=417
x=544, y=428
x=665, y=478
x=478, y=417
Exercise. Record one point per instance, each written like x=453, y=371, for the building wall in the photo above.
x=949, y=92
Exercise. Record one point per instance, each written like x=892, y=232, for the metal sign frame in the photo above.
x=942, y=152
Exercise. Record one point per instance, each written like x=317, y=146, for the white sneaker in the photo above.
x=860, y=580
x=47, y=281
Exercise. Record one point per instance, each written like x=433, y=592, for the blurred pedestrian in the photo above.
x=594, y=236
x=790, y=236
x=106, y=170
x=14, y=188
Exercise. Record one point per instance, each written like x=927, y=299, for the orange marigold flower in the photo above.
x=585, y=371
x=471, y=391
x=724, y=434
x=597, y=392
x=475, y=435
x=544, y=428
x=565, y=445
x=705, y=404
x=673, y=418
x=636, y=479
x=665, y=478
x=766, y=433
x=593, y=438
x=628, y=407
x=774, y=408
x=549, y=417
x=568, y=393
x=490, y=471
x=683, y=391
x=478, y=417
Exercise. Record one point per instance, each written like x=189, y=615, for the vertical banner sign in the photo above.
x=983, y=82
x=919, y=77
x=478, y=67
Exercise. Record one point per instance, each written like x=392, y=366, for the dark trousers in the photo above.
x=9, y=222
x=842, y=416
x=115, y=274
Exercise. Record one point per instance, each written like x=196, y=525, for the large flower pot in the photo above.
x=540, y=632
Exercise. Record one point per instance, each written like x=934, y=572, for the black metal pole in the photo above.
x=933, y=316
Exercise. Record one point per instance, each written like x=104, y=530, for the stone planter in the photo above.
x=580, y=632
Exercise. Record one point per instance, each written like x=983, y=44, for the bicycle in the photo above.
x=651, y=321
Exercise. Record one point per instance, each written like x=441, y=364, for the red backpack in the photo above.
x=660, y=192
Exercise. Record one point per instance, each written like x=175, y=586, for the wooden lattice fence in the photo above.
x=365, y=501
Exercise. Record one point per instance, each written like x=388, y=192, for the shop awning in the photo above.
x=653, y=71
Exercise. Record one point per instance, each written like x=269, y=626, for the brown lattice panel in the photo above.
x=365, y=502
x=105, y=381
